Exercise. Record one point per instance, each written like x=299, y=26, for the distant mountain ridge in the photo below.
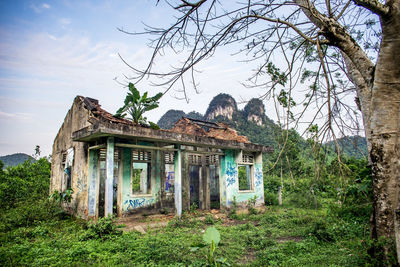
x=352, y=146
x=15, y=159
x=253, y=123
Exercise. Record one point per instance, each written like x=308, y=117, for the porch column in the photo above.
x=92, y=182
x=178, y=182
x=108, y=201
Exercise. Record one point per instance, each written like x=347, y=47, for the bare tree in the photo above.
x=343, y=48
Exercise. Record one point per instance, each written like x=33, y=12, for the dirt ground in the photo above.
x=142, y=222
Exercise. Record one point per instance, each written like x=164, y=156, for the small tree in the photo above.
x=136, y=105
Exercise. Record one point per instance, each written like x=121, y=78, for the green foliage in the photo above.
x=26, y=182
x=212, y=235
x=62, y=197
x=193, y=207
x=103, y=229
x=209, y=219
x=136, y=105
x=251, y=203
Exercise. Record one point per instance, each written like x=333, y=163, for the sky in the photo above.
x=52, y=51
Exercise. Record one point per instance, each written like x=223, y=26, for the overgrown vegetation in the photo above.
x=323, y=222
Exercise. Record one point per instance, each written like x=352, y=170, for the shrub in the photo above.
x=209, y=219
x=103, y=229
x=270, y=198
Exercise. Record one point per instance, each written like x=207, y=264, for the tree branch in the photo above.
x=374, y=6
x=338, y=36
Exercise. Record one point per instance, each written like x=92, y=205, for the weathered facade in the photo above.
x=116, y=167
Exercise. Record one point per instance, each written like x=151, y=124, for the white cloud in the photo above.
x=39, y=8
x=65, y=21
x=15, y=116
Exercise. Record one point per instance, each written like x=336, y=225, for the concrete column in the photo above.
x=108, y=201
x=178, y=182
x=92, y=182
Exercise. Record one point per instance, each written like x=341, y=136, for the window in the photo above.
x=169, y=159
x=246, y=172
x=66, y=164
x=141, y=172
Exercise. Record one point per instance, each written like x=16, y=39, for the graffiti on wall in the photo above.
x=138, y=203
x=258, y=177
x=169, y=183
x=231, y=174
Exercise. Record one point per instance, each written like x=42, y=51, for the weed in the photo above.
x=209, y=219
x=103, y=229
x=251, y=203
x=193, y=207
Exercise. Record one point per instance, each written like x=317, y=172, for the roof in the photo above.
x=186, y=131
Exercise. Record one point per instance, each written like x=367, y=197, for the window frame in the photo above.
x=148, y=161
x=247, y=159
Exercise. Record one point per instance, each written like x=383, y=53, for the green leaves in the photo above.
x=135, y=105
x=212, y=235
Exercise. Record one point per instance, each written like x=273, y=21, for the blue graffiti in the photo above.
x=170, y=180
x=135, y=203
x=231, y=174
x=259, y=177
x=230, y=180
x=231, y=170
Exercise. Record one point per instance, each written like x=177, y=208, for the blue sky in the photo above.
x=51, y=51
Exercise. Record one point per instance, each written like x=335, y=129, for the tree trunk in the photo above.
x=384, y=134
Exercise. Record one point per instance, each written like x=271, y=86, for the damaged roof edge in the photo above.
x=102, y=129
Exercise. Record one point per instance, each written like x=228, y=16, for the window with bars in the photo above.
x=169, y=157
x=141, y=172
x=103, y=157
x=212, y=159
x=248, y=158
x=194, y=159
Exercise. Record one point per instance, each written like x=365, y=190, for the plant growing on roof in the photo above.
x=136, y=105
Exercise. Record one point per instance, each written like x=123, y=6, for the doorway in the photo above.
x=214, y=187
x=194, y=185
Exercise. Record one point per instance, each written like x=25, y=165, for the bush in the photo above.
x=209, y=219
x=270, y=198
x=103, y=229
x=320, y=230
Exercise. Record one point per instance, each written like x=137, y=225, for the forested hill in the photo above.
x=15, y=159
x=352, y=146
x=253, y=123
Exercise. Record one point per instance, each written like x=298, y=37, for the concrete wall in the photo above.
x=130, y=201
x=229, y=181
x=76, y=118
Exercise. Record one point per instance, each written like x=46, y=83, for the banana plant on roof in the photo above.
x=136, y=105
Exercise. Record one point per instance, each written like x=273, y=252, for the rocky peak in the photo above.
x=221, y=105
x=255, y=111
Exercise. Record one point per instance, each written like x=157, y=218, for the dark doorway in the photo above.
x=102, y=187
x=194, y=185
x=214, y=187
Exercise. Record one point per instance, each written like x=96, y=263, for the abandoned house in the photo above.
x=116, y=167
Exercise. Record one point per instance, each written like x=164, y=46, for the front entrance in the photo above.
x=194, y=185
x=214, y=187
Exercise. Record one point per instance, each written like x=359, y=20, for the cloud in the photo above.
x=65, y=21
x=39, y=8
x=15, y=116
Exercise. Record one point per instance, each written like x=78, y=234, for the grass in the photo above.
x=282, y=236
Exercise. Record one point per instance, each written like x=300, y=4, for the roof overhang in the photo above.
x=105, y=129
